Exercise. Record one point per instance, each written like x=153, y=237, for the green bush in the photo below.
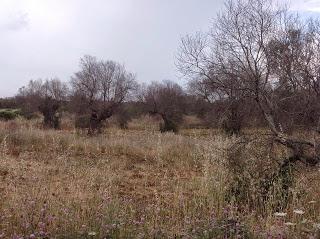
x=9, y=114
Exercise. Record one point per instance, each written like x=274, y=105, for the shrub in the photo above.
x=231, y=126
x=169, y=126
x=9, y=114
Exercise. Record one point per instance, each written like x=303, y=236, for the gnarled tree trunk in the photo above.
x=307, y=152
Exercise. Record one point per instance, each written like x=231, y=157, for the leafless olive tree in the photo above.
x=294, y=60
x=45, y=96
x=166, y=99
x=100, y=87
x=254, y=50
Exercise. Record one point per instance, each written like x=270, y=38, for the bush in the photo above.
x=9, y=114
x=169, y=126
x=231, y=126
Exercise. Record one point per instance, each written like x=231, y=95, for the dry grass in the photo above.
x=133, y=184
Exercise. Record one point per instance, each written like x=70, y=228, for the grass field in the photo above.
x=138, y=183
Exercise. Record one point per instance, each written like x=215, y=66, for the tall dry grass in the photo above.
x=139, y=183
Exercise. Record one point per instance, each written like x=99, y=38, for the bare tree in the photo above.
x=289, y=55
x=86, y=82
x=47, y=97
x=101, y=87
x=29, y=97
x=234, y=56
x=167, y=100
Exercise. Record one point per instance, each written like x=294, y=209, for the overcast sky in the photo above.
x=46, y=38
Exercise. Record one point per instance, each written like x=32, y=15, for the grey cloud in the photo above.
x=142, y=34
x=15, y=22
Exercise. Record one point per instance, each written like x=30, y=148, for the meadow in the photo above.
x=139, y=183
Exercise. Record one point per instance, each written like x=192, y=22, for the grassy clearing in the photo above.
x=137, y=183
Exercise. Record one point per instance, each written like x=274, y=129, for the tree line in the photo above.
x=99, y=90
x=257, y=65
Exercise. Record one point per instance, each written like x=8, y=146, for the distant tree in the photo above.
x=99, y=88
x=230, y=116
x=44, y=96
x=8, y=103
x=166, y=99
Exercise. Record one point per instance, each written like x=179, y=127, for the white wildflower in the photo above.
x=298, y=211
x=92, y=233
x=290, y=224
x=280, y=214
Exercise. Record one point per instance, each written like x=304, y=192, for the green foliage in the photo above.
x=9, y=114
